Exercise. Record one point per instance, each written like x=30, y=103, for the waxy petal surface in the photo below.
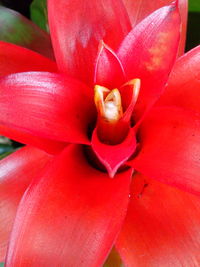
x=170, y=148
x=19, y=30
x=15, y=58
x=161, y=227
x=129, y=95
x=149, y=52
x=46, y=144
x=114, y=156
x=140, y=9
x=109, y=71
x=183, y=87
x=77, y=31
x=70, y=216
x=16, y=173
x=46, y=105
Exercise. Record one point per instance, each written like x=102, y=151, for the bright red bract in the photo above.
x=58, y=200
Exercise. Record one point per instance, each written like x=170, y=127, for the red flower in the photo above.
x=72, y=213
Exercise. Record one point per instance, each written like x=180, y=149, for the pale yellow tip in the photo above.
x=108, y=103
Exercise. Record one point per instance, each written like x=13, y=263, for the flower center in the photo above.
x=113, y=122
x=108, y=103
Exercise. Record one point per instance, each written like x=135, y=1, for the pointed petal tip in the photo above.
x=175, y=3
x=112, y=170
x=156, y=40
x=109, y=70
x=101, y=45
x=114, y=156
x=76, y=34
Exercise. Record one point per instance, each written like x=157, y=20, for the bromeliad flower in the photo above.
x=99, y=118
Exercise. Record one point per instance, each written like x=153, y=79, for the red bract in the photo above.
x=103, y=111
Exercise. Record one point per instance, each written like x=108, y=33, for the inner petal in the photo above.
x=114, y=140
x=115, y=110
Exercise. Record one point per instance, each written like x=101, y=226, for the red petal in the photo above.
x=170, y=148
x=71, y=215
x=161, y=228
x=16, y=173
x=114, y=156
x=76, y=33
x=19, y=30
x=129, y=94
x=184, y=82
x=109, y=71
x=46, y=105
x=138, y=10
x=50, y=146
x=149, y=52
x=14, y=58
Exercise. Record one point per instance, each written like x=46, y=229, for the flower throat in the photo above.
x=115, y=111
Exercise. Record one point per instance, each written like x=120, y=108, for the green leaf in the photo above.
x=38, y=11
x=194, y=6
x=5, y=148
x=1, y=264
x=2, y=156
x=16, y=29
